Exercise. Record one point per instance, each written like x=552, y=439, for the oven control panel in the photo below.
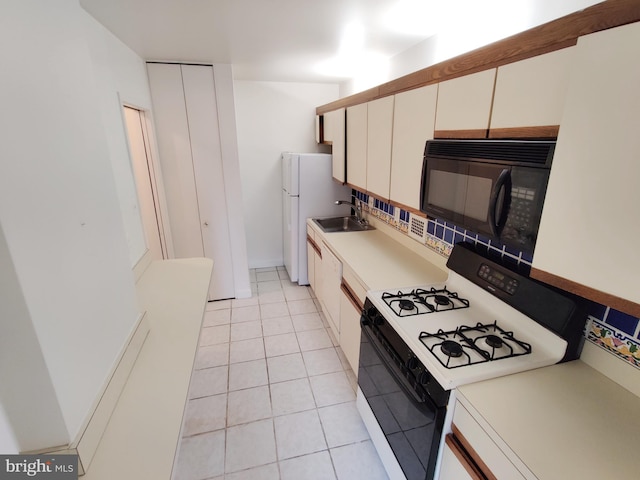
x=498, y=279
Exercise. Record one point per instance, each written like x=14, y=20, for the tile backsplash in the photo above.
x=614, y=331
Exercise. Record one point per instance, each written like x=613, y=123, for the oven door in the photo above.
x=410, y=421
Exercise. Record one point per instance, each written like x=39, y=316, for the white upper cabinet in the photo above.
x=532, y=92
x=357, y=146
x=334, y=133
x=464, y=103
x=590, y=223
x=379, y=134
x=413, y=125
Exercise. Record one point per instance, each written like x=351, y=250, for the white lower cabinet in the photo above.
x=472, y=452
x=330, y=291
x=454, y=464
x=350, y=328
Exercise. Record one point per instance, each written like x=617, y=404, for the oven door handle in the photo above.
x=393, y=369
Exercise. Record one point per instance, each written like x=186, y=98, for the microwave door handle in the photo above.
x=503, y=182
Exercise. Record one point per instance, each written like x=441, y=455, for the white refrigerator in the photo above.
x=307, y=191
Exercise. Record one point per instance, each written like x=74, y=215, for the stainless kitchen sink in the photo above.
x=341, y=224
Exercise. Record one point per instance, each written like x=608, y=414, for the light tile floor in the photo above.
x=272, y=396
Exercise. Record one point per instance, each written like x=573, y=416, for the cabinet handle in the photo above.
x=351, y=296
x=206, y=224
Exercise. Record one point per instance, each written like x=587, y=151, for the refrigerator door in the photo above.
x=290, y=173
x=318, y=193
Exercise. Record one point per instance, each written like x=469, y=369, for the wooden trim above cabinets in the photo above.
x=621, y=304
x=478, y=133
x=545, y=131
x=555, y=35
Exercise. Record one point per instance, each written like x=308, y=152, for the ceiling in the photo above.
x=293, y=40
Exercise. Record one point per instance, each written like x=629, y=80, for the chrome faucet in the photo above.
x=356, y=206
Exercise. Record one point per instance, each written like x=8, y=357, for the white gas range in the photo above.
x=419, y=343
x=469, y=336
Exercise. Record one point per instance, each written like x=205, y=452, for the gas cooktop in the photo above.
x=486, y=321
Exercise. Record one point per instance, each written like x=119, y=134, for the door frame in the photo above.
x=157, y=185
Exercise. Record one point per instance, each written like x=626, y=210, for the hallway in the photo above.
x=272, y=395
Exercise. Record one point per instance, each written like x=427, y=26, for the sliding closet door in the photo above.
x=186, y=120
x=202, y=114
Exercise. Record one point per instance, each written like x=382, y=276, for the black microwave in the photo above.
x=492, y=187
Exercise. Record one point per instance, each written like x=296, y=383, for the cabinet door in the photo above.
x=454, y=465
x=335, y=126
x=311, y=261
x=331, y=278
x=357, y=146
x=590, y=222
x=350, y=330
x=379, y=134
x=531, y=93
x=464, y=105
x=413, y=124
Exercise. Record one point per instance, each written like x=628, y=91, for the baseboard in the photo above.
x=87, y=440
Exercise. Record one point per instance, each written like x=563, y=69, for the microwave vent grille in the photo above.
x=529, y=151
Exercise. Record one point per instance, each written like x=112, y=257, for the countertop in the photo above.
x=379, y=261
x=562, y=422
x=141, y=438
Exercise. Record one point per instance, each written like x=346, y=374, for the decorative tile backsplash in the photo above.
x=616, y=332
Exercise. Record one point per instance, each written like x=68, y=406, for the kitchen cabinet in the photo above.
x=531, y=93
x=379, y=134
x=186, y=119
x=472, y=453
x=351, y=305
x=334, y=133
x=413, y=124
x=455, y=463
x=314, y=259
x=330, y=298
x=464, y=105
x=589, y=226
x=356, y=132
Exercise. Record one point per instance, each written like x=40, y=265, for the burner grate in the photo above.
x=478, y=344
x=421, y=301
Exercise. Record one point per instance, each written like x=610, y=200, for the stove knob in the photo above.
x=423, y=378
x=412, y=362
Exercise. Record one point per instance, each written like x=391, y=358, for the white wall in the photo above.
x=121, y=77
x=71, y=299
x=272, y=117
x=466, y=25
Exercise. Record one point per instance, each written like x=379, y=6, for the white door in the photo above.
x=142, y=170
x=202, y=112
x=185, y=112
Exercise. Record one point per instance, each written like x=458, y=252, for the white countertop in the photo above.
x=141, y=438
x=379, y=261
x=563, y=422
